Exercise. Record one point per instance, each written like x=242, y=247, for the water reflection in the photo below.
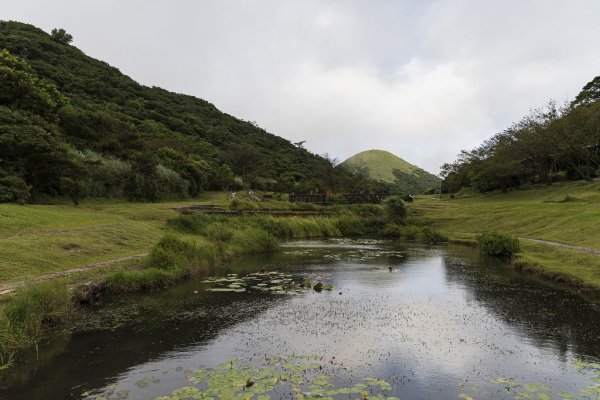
x=423, y=318
x=549, y=317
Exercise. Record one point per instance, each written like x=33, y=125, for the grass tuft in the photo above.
x=498, y=244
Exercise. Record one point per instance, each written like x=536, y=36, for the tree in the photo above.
x=589, y=93
x=61, y=36
x=21, y=88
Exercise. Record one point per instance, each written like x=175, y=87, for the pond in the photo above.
x=401, y=320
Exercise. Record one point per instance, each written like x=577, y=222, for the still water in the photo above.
x=435, y=322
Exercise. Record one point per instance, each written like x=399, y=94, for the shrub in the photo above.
x=412, y=232
x=428, y=235
x=407, y=198
x=367, y=210
x=220, y=232
x=193, y=223
x=175, y=254
x=133, y=280
x=335, y=198
x=33, y=307
x=13, y=188
x=498, y=244
x=407, y=232
x=396, y=209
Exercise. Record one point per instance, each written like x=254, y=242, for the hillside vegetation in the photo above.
x=386, y=167
x=74, y=126
x=552, y=144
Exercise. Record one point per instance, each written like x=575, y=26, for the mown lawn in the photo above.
x=40, y=239
x=566, y=213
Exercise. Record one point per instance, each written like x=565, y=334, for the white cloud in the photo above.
x=421, y=79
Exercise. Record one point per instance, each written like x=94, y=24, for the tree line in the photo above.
x=74, y=126
x=558, y=142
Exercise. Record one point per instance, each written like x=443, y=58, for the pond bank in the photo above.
x=195, y=245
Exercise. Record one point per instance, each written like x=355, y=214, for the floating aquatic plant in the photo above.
x=268, y=282
x=299, y=375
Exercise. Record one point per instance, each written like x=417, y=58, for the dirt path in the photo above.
x=11, y=287
x=566, y=246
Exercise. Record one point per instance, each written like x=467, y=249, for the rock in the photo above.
x=90, y=293
x=318, y=287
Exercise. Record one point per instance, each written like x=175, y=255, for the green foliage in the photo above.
x=400, y=176
x=61, y=36
x=147, y=143
x=498, y=244
x=123, y=281
x=32, y=310
x=232, y=380
x=550, y=144
x=170, y=260
x=21, y=87
x=589, y=94
x=14, y=189
x=413, y=232
x=396, y=209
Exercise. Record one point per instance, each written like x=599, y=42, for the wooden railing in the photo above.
x=349, y=198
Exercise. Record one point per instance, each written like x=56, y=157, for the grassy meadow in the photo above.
x=43, y=239
x=567, y=213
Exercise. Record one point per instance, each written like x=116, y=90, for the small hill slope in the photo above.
x=385, y=166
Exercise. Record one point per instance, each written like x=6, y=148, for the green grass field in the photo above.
x=41, y=239
x=568, y=213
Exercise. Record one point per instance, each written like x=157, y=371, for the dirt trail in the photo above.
x=563, y=245
x=11, y=287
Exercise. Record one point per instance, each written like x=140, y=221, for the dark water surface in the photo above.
x=442, y=324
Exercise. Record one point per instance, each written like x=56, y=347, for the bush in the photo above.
x=412, y=232
x=34, y=307
x=396, y=209
x=196, y=223
x=170, y=260
x=428, y=235
x=13, y=188
x=498, y=244
x=406, y=232
x=133, y=280
x=171, y=253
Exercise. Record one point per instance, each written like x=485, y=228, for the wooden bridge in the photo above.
x=348, y=198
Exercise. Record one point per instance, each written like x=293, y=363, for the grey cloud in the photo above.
x=421, y=79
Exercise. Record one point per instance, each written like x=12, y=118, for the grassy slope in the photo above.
x=539, y=213
x=380, y=163
x=38, y=239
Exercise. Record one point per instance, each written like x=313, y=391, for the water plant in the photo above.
x=301, y=376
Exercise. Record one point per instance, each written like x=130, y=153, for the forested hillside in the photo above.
x=74, y=126
x=554, y=143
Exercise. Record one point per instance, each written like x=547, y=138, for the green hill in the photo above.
x=71, y=125
x=385, y=166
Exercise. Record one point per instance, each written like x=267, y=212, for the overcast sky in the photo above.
x=422, y=79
